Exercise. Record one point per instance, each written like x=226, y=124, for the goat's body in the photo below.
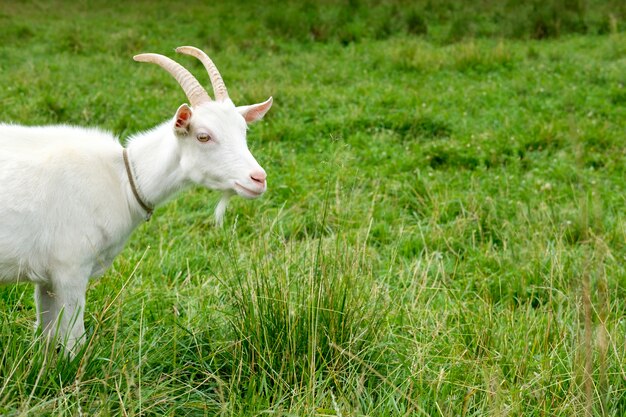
x=64, y=215
x=64, y=201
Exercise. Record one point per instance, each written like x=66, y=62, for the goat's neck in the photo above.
x=155, y=162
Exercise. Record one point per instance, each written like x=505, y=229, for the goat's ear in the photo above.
x=183, y=119
x=255, y=112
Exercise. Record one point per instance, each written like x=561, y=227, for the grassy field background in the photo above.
x=443, y=232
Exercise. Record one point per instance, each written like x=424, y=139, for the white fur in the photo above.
x=67, y=208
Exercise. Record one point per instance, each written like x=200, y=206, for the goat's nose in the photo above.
x=258, y=177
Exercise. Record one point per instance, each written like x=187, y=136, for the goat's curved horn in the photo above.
x=192, y=88
x=219, y=88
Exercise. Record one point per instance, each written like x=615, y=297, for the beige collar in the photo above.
x=147, y=207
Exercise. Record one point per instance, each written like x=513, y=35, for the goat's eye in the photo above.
x=203, y=137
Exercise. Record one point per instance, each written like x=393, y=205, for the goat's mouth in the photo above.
x=248, y=192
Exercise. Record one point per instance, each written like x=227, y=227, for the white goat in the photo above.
x=70, y=197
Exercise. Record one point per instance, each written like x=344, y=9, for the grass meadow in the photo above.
x=443, y=234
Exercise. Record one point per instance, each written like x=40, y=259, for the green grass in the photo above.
x=443, y=232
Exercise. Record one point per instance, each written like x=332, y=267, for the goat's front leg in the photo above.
x=60, y=308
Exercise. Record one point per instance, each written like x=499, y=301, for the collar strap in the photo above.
x=147, y=207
